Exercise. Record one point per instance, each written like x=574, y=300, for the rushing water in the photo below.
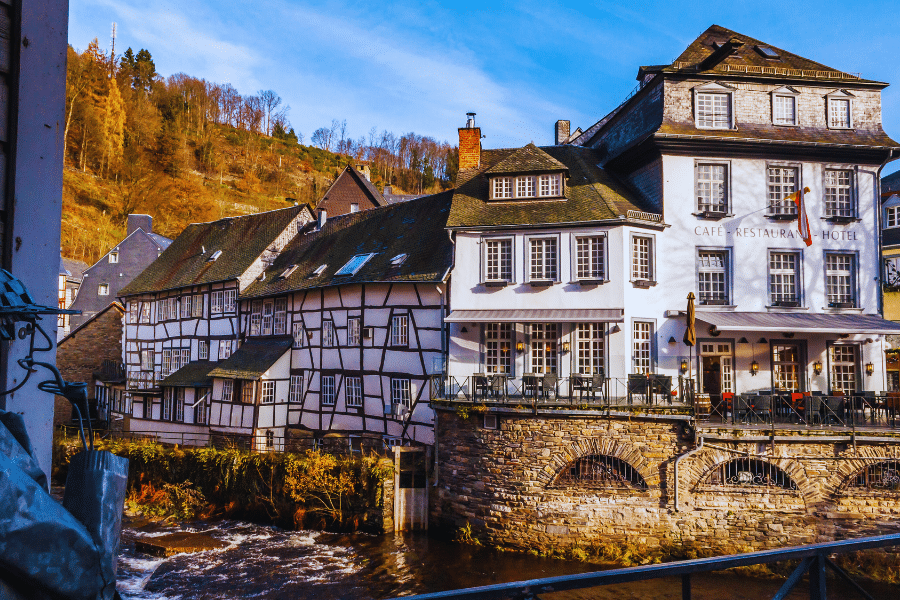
x=269, y=563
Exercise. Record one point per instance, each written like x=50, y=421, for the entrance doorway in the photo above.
x=716, y=371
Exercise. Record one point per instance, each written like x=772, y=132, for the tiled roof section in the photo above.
x=528, y=159
x=414, y=228
x=252, y=359
x=193, y=374
x=186, y=261
x=890, y=184
x=793, y=135
x=161, y=240
x=747, y=59
x=592, y=194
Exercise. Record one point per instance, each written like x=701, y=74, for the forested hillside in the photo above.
x=187, y=150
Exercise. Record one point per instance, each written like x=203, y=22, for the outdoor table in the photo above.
x=797, y=406
x=581, y=383
x=479, y=383
x=497, y=384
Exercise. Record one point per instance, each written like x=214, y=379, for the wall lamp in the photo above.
x=684, y=366
x=817, y=367
x=672, y=341
x=754, y=368
x=565, y=347
x=870, y=368
x=520, y=347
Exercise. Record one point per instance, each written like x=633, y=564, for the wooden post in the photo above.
x=817, y=578
x=686, y=586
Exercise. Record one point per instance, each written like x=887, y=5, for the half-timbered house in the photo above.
x=182, y=317
x=343, y=330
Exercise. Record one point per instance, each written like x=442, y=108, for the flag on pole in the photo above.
x=802, y=221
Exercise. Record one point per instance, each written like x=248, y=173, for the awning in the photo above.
x=798, y=322
x=193, y=374
x=538, y=315
x=252, y=359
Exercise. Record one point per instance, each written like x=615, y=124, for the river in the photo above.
x=263, y=562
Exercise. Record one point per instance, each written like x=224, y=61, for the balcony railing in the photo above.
x=546, y=389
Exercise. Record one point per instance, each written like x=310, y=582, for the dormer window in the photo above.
x=840, y=110
x=114, y=257
x=784, y=106
x=319, y=270
x=713, y=106
x=287, y=272
x=215, y=255
x=527, y=186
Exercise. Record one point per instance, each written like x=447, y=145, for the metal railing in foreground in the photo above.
x=814, y=560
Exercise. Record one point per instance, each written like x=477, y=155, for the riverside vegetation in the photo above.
x=300, y=490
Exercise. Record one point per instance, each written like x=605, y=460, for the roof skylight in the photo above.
x=215, y=255
x=319, y=270
x=767, y=52
x=399, y=260
x=354, y=264
x=287, y=272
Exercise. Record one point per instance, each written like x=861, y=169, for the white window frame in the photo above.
x=328, y=390
x=832, y=191
x=295, y=391
x=401, y=392
x=700, y=182
x=777, y=191
x=168, y=404
x=643, y=346
x=550, y=185
x=279, y=325
x=891, y=217
x=797, y=273
x=268, y=317
x=639, y=273
x=113, y=257
x=543, y=347
x=179, y=405
x=785, y=93
x=256, y=317
x=525, y=186
x=226, y=349
x=353, y=392
x=487, y=256
x=892, y=271
x=186, y=306
x=329, y=339
x=704, y=268
x=197, y=305
x=594, y=240
x=710, y=93
x=832, y=101
x=400, y=330
x=227, y=390
x=268, y=392
x=297, y=334
x=217, y=302
x=832, y=275
x=229, y=301
x=590, y=348
x=103, y=289
x=203, y=350
x=353, y=331
x=499, y=340
x=553, y=264
x=501, y=188
x=147, y=359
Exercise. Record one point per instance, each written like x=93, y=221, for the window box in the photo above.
x=643, y=283
x=782, y=216
x=714, y=302
x=591, y=282
x=786, y=303
x=498, y=283
x=712, y=215
x=841, y=219
x=541, y=282
x=841, y=305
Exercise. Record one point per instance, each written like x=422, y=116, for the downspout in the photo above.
x=679, y=459
x=878, y=201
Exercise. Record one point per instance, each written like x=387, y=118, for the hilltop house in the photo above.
x=70, y=275
x=182, y=317
x=103, y=280
x=343, y=330
x=351, y=192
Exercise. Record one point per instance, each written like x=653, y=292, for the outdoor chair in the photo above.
x=834, y=410
x=597, y=382
x=762, y=409
x=742, y=408
x=814, y=409
x=548, y=385
x=497, y=386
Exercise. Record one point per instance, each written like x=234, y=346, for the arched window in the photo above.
x=880, y=476
x=750, y=473
x=600, y=471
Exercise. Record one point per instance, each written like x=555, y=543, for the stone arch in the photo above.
x=846, y=470
x=708, y=459
x=623, y=451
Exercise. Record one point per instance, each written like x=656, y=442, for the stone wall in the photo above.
x=82, y=353
x=503, y=483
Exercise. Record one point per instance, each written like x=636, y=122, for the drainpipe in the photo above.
x=880, y=247
x=679, y=459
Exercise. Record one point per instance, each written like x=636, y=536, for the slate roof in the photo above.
x=339, y=189
x=252, y=359
x=161, y=240
x=415, y=228
x=193, y=374
x=890, y=184
x=876, y=138
x=186, y=261
x=592, y=194
x=747, y=59
x=528, y=159
x=72, y=268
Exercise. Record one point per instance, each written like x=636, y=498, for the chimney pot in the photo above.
x=469, y=144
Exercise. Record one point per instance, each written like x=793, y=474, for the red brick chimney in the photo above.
x=469, y=144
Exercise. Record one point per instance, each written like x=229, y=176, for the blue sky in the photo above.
x=420, y=66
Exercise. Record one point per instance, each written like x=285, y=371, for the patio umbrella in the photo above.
x=690, y=332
